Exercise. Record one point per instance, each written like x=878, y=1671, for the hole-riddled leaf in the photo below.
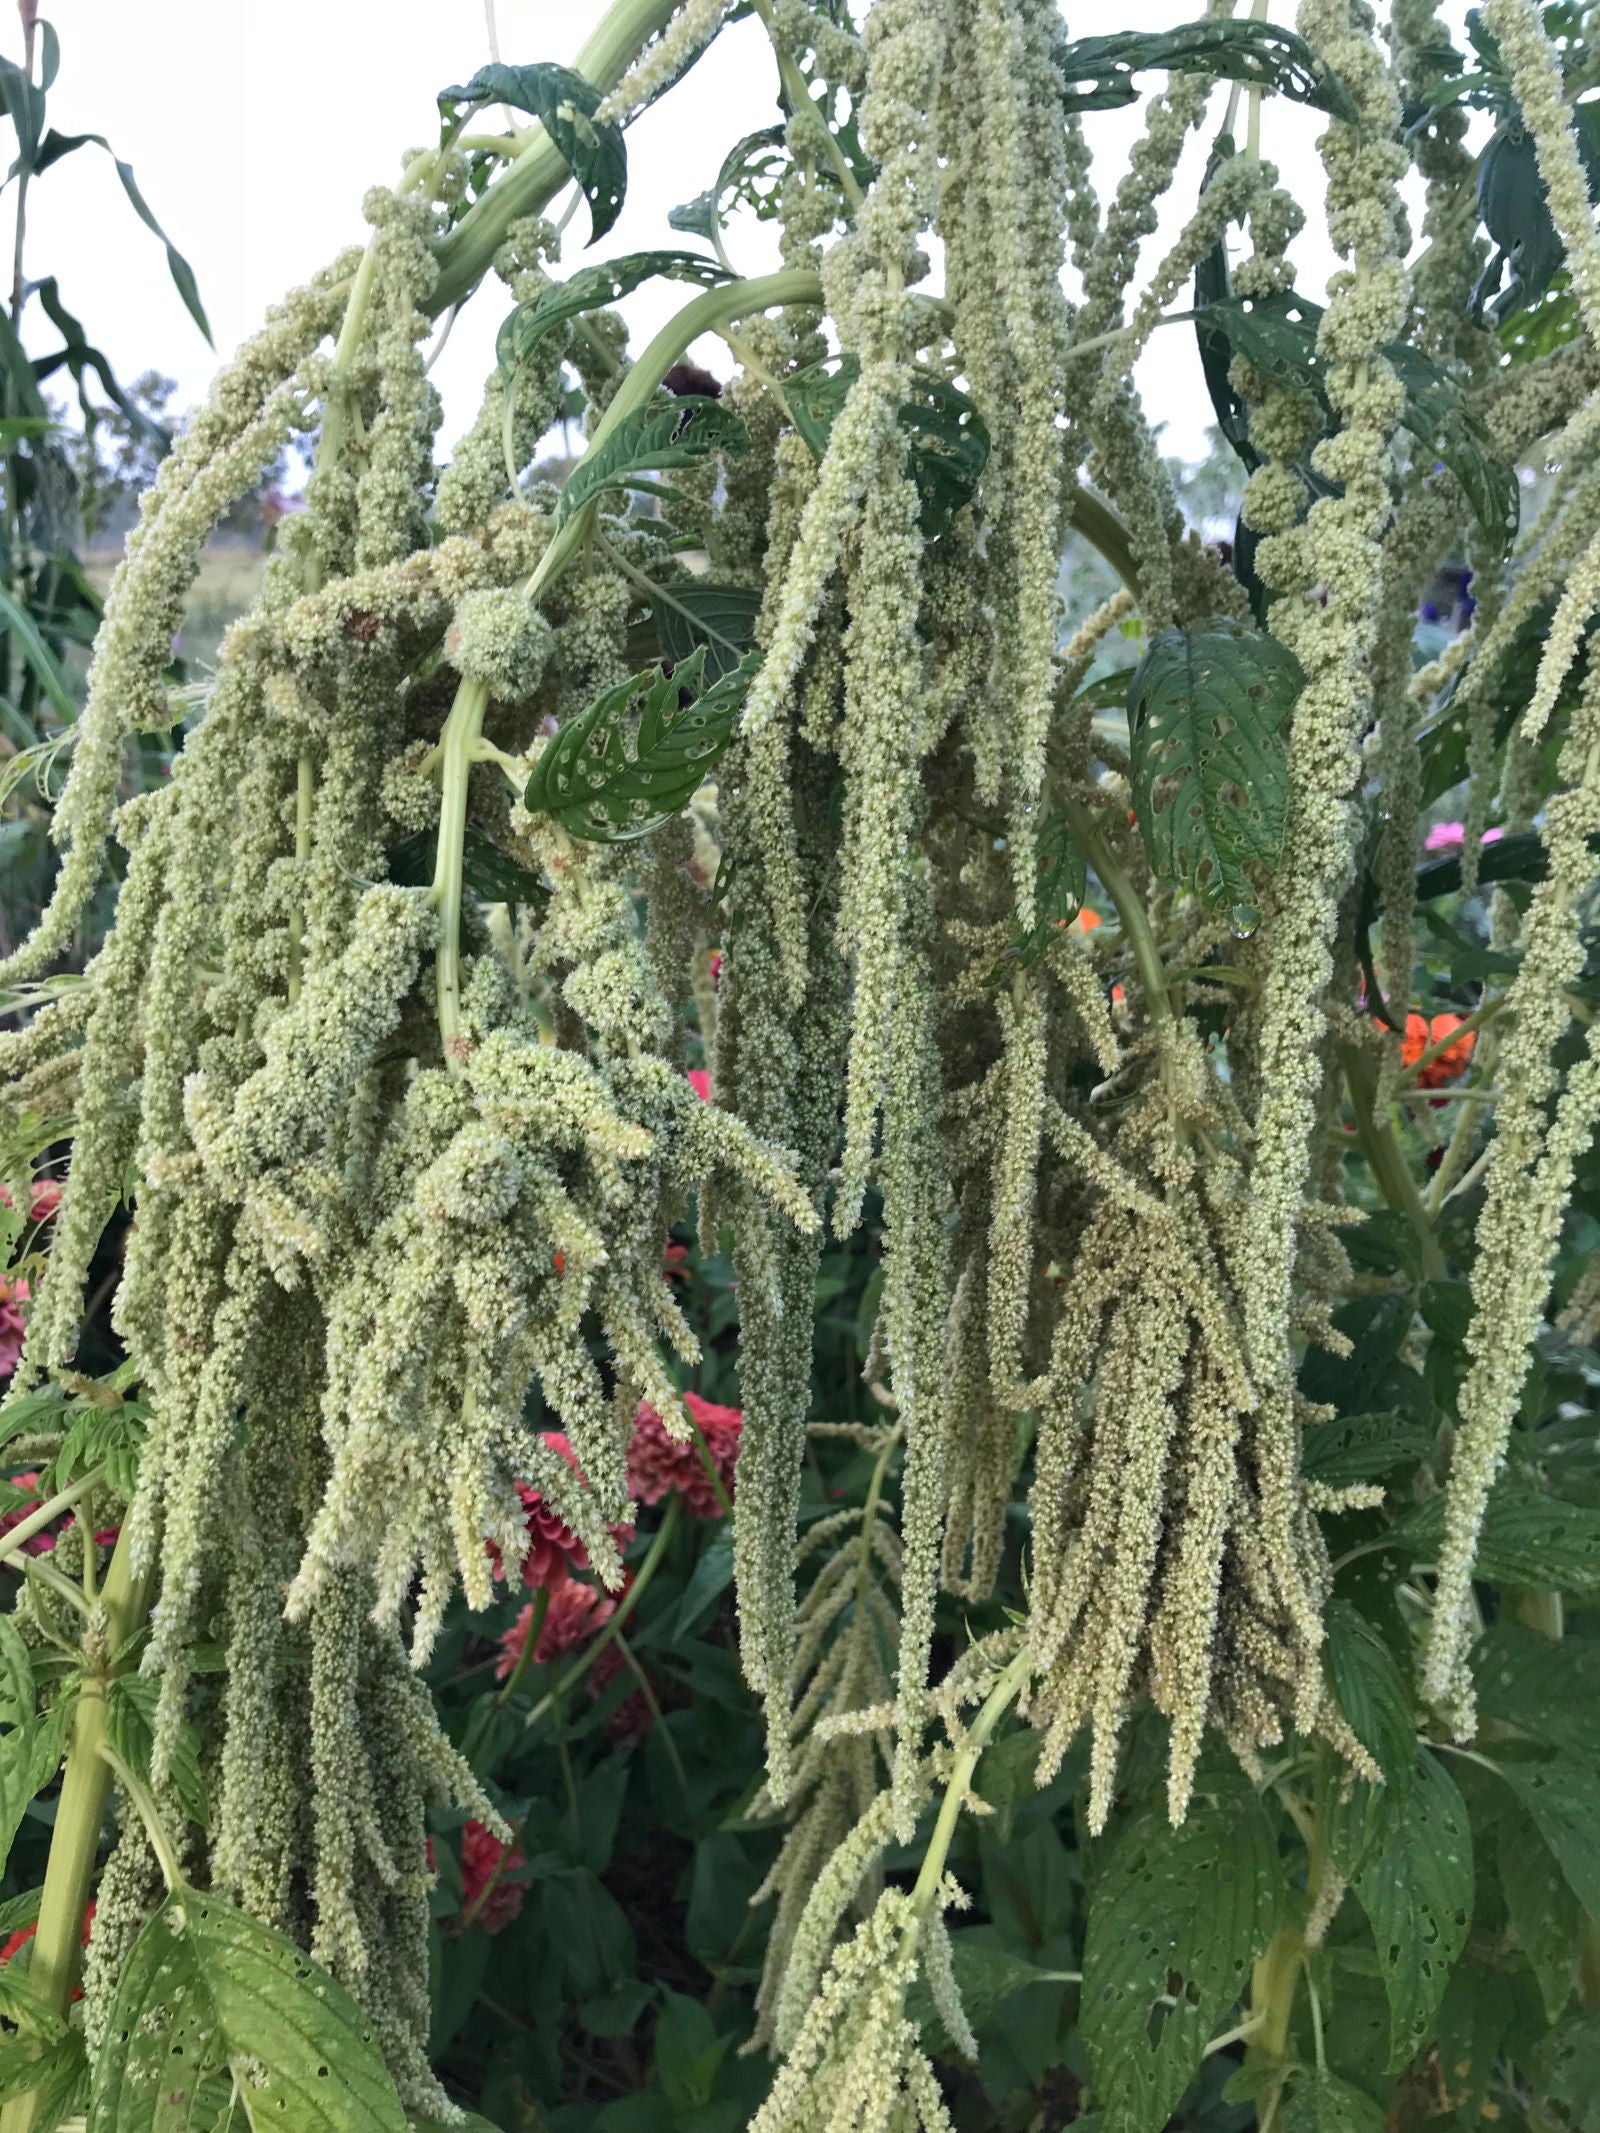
x=1319, y=2103
x=206, y=1989
x=1548, y=1688
x=1525, y=1540
x=1563, y=1798
x=1206, y=711
x=1099, y=71
x=564, y=104
x=695, y=614
x=1545, y=1915
x=651, y=439
x=636, y=756
x=949, y=445
x=590, y=289
x=751, y=174
x=1177, y=1917
x=1372, y=1693
x=1417, y=1892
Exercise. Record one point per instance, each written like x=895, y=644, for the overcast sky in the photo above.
x=255, y=127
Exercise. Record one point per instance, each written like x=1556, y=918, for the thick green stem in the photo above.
x=81, y=1808
x=540, y=169
x=457, y=743
x=1385, y=1159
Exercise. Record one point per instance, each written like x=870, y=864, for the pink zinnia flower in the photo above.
x=12, y=1324
x=1451, y=836
x=481, y=1854
x=657, y=1465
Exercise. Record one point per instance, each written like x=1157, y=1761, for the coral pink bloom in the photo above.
x=700, y=1082
x=573, y=1614
x=481, y=1854
x=657, y=1466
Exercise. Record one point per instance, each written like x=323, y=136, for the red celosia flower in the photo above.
x=552, y=1544
x=21, y=1940
x=657, y=1466
x=674, y=1261
x=481, y=1870
x=1421, y=1034
x=573, y=1614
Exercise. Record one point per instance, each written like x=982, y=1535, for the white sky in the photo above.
x=255, y=126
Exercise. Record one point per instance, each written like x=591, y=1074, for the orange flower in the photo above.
x=1421, y=1035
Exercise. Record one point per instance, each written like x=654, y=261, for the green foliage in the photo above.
x=589, y=290
x=638, y=754
x=650, y=440
x=1259, y=53
x=564, y=104
x=208, y=1994
x=1177, y=1917
x=1206, y=713
x=750, y=174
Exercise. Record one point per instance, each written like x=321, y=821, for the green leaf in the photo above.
x=1563, y=1798
x=638, y=754
x=1417, y=1892
x=18, y=1741
x=206, y=1988
x=949, y=444
x=688, y=2051
x=1525, y=1539
x=564, y=104
x=1206, y=711
x=1255, y=52
x=649, y=440
x=109, y=1436
x=1317, y=2103
x=987, y=1972
x=1548, y=1688
x=1063, y=881
x=1514, y=208
x=1364, y=1447
x=488, y=872
x=51, y=2070
x=15, y=618
x=130, y=1729
x=713, y=1574
x=1436, y=414
x=56, y=145
x=1545, y=1916
x=696, y=612
x=1566, y=2076
x=24, y=102
x=19, y=1911
x=1372, y=1693
x=1175, y=1920
x=590, y=289
x=751, y=174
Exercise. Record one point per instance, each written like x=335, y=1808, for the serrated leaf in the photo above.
x=1545, y=1916
x=1547, y=1687
x=564, y=104
x=1372, y=1693
x=50, y=2070
x=1563, y=1798
x=1524, y=1540
x=50, y=1741
x=1318, y=2103
x=638, y=754
x=1176, y=1918
x=948, y=445
x=591, y=289
x=130, y=1729
x=1514, y=208
x=19, y=1911
x=1259, y=53
x=1417, y=1892
x=751, y=173
x=112, y=1437
x=650, y=440
x=18, y=1740
x=1364, y=1447
x=206, y=1988
x=1206, y=711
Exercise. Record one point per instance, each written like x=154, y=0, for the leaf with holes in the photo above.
x=1372, y=1693
x=1177, y=1918
x=1365, y=1447
x=651, y=440
x=565, y=105
x=1566, y=2077
x=1563, y=1798
x=638, y=754
x=949, y=444
x=205, y=1989
x=1524, y=1540
x=1206, y=712
x=1258, y=53
x=1546, y=1918
x=1548, y=1688
x=1417, y=1892
x=1318, y=2103
x=751, y=174
x=591, y=289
